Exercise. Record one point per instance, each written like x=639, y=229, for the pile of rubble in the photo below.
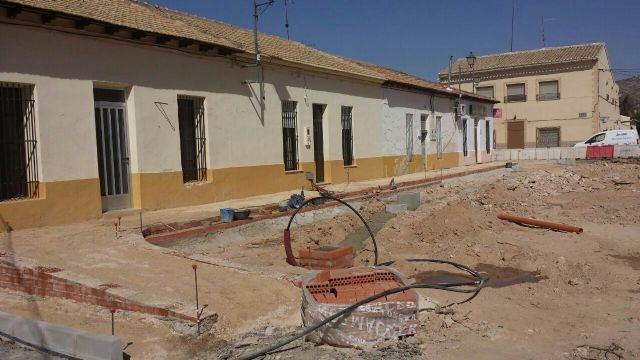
x=539, y=187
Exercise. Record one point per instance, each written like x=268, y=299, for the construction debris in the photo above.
x=390, y=317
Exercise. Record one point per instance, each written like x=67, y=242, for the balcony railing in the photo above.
x=515, y=98
x=548, y=96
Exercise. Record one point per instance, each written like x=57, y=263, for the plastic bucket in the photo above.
x=226, y=215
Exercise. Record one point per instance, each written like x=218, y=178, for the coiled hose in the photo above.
x=461, y=287
x=287, y=239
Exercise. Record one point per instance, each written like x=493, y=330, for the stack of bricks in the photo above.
x=349, y=286
x=18, y=275
x=326, y=257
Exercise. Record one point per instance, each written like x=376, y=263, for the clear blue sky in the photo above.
x=417, y=36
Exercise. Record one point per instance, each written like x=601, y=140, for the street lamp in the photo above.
x=471, y=61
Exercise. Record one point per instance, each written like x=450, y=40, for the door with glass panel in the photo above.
x=113, y=149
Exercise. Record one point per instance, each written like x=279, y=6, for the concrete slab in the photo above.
x=396, y=208
x=409, y=198
x=60, y=339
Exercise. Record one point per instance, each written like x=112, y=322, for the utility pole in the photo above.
x=513, y=14
x=544, y=43
x=258, y=63
x=286, y=18
x=460, y=83
x=449, y=78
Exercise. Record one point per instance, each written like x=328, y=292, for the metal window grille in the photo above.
x=487, y=140
x=347, y=135
x=465, y=150
x=439, y=138
x=409, y=135
x=18, y=143
x=290, y=135
x=548, y=137
x=193, y=141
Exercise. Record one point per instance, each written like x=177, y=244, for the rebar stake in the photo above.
x=112, y=311
x=194, y=266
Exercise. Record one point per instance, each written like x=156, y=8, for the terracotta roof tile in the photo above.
x=127, y=13
x=154, y=19
x=398, y=77
x=551, y=55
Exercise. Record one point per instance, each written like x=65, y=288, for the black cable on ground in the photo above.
x=329, y=197
x=478, y=285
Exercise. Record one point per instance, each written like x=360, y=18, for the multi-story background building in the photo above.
x=548, y=97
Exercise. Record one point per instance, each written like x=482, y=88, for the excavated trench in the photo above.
x=499, y=276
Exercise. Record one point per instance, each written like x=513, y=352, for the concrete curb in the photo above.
x=60, y=340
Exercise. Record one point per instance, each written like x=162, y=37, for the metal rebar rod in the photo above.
x=195, y=276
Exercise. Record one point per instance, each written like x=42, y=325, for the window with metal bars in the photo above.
x=290, y=135
x=487, y=139
x=18, y=143
x=346, y=119
x=409, y=135
x=193, y=141
x=465, y=150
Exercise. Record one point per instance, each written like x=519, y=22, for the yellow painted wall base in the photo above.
x=153, y=191
x=60, y=202
x=78, y=200
x=448, y=160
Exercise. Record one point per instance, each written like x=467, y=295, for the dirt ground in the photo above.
x=550, y=295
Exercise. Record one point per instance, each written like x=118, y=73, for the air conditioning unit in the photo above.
x=461, y=109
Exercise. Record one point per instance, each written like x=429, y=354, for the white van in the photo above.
x=612, y=137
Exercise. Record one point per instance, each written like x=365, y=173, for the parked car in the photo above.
x=612, y=137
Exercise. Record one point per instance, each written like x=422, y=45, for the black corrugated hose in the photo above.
x=470, y=287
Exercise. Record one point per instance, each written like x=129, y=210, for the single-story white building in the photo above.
x=120, y=104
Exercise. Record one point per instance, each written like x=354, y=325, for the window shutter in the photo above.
x=515, y=89
x=548, y=88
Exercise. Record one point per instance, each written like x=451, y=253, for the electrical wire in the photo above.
x=475, y=290
x=329, y=197
x=469, y=287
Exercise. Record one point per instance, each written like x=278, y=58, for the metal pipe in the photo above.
x=540, y=223
x=195, y=275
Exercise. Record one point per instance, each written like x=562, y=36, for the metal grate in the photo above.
x=548, y=96
x=290, y=135
x=487, y=139
x=347, y=135
x=18, y=143
x=548, y=137
x=465, y=150
x=193, y=140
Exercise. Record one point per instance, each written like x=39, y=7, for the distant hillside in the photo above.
x=629, y=95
